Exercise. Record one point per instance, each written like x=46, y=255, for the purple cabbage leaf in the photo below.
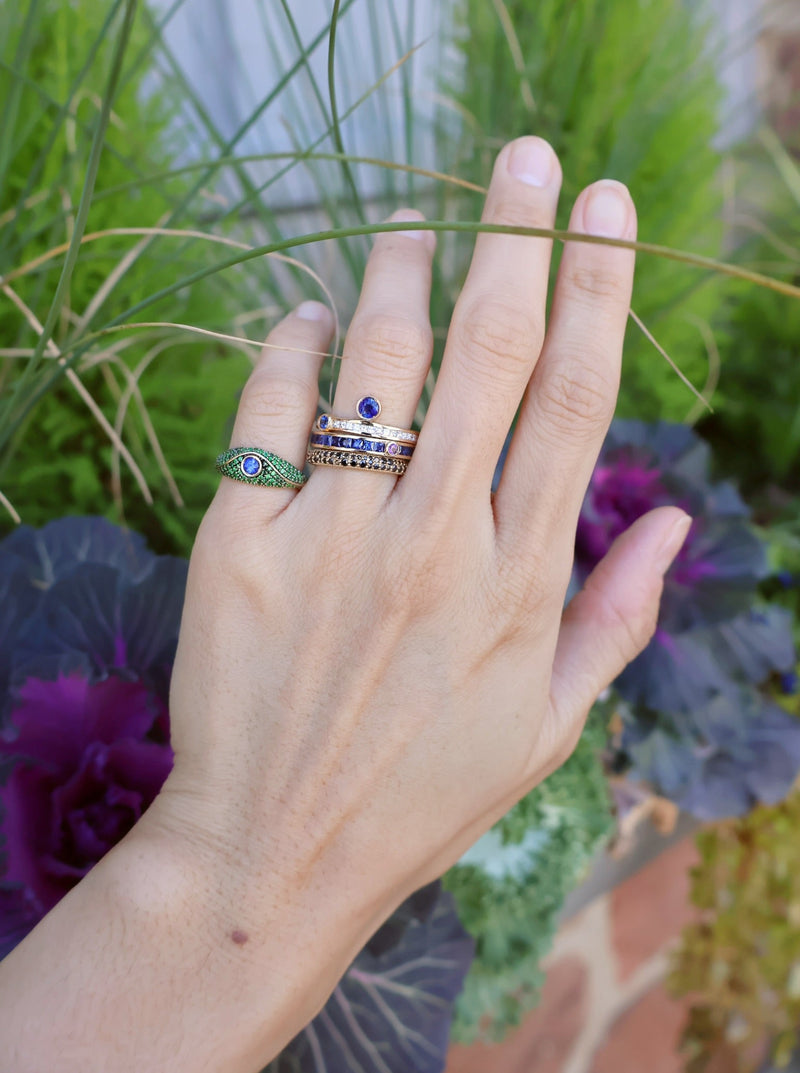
x=392, y=1010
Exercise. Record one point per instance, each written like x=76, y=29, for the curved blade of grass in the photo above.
x=295, y=34
x=353, y=108
x=714, y=367
x=252, y=119
x=454, y=226
x=474, y=228
x=517, y=58
x=466, y=227
x=406, y=73
x=156, y=37
x=132, y=390
x=149, y=234
x=378, y=104
x=327, y=202
x=335, y=123
x=252, y=193
x=240, y=341
x=86, y=197
x=294, y=158
x=299, y=156
x=637, y=320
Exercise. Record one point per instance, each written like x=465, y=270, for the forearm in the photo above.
x=153, y=963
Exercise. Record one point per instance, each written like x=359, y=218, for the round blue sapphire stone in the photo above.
x=324, y=421
x=368, y=408
x=251, y=466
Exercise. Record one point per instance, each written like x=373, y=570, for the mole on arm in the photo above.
x=239, y=937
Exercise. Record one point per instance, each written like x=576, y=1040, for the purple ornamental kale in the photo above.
x=88, y=629
x=696, y=726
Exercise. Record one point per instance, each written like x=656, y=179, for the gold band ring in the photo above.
x=327, y=456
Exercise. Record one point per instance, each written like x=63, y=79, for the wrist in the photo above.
x=257, y=860
x=270, y=938
x=173, y=961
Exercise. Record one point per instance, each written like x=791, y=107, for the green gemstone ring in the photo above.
x=252, y=465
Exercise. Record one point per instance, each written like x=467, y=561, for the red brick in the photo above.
x=651, y=908
x=646, y=1036
x=545, y=1039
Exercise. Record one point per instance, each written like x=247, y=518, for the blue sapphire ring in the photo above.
x=253, y=465
x=361, y=442
x=368, y=409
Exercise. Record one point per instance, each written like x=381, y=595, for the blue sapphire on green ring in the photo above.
x=253, y=465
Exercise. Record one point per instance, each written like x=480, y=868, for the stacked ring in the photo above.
x=361, y=443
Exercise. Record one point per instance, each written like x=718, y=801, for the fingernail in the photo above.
x=312, y=311
x=673, y=542
x=406, y=216
x=532, y=161
x=607, y=210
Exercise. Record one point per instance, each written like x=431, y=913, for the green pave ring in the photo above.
x=252, y=465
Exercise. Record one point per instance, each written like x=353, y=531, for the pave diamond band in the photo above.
x=327, y=423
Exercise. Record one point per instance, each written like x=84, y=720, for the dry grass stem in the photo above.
x=29, y=203
x=207, y=333
x=113, y=278
x=652, y=339
x=76, y=382
x=714, y=367
x=132, y=390
x=6, y=502
x=514, y=47
x=148, y=233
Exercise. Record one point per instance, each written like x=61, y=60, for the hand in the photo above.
x=372, y=671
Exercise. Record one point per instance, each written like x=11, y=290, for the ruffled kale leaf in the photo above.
x=699, y=726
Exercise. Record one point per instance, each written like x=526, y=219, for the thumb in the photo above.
x=614, y=616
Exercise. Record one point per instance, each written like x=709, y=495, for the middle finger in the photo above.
x=497, y=328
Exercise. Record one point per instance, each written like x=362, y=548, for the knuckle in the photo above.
x=630, y=628
x=632, y=631
x=390, y=338
x=598, y=281
x=512, y=212
x=496, y=333
x=525, y=587
x=273, y=395
x=575, y=398
x=417, y=571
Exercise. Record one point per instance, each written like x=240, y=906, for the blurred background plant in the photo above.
x=741, y=962
x=324, y=127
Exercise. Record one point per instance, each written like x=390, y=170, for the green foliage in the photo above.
x=510, y=903
x=756, y=426
x=622, y=89
x=59, y=459
x=741, y=962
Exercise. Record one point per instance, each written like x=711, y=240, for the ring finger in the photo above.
x=388, y=349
